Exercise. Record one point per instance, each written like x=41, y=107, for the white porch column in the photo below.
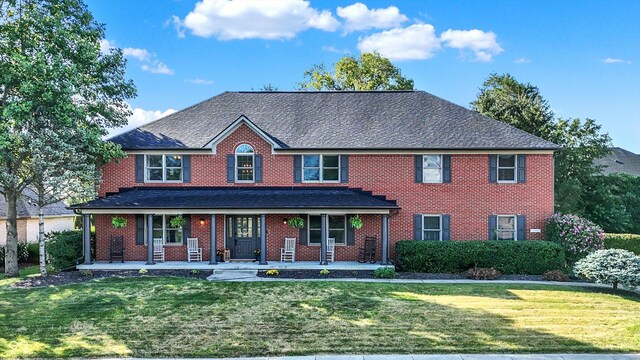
x=323, y=239
x=86, y=238
x=263, y=239
x=385, y=239
x=150, y=240
x=212, y=241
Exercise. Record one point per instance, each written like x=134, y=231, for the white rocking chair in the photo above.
x=193, y=251
x=158, y=249
x=331, y=249
x=288, y=252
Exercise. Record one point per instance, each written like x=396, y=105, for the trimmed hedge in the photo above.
x=509, y=257
x=64, y=248
x=630, y=242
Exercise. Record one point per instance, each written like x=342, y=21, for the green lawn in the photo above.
x=170, y=317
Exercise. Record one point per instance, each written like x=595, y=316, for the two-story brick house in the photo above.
x=237, y=166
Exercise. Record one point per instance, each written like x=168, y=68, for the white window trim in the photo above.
x=253, y=164
x=515, y=226
x=515, y=169
x=439, y=216
x=327, y=227
x=164, y=169
x=164, y=231
x=439, y=181
x=321, y=168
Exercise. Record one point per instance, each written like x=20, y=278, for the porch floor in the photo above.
x=177, y=265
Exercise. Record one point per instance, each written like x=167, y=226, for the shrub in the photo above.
x=555, y=275
x=386, y=272
x=33, y=251
x=86, y=273
x=272, y=272
x=577, y=236
x=195, y=272
x=630, y=242
x=143, y=271
x=25, y=253
x=324, y=272
x=509, y=257
x=64, y=248
x=483, y=273
x=610, y=266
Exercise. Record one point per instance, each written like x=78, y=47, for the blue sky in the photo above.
x=583, y=55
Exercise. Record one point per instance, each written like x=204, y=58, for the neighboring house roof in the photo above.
x=26, y=210
x=240, y=198
x=620, y=161
x=335, y=120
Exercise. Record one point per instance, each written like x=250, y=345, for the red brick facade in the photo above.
x=469, y=199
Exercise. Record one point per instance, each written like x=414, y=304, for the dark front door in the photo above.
x=243, y=233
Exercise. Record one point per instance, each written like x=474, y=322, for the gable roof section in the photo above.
x=235, y=125
x=26, y=210
x=335, y=120
x=620, y=161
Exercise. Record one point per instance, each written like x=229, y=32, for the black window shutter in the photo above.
x=139, y=168
x=258, y=168
x=417, y=160
x=417, y=227
x=139, y=229
x=231, y=168
x=522, y=228
x=344, y=168
x=493, y=225
x=351, y=234
x=186, y=229
x=297, y=168
x=186, y=168
x=522, y=168
x=303, y=230
x=446, y=227
x=493, y=168
x=446, y=168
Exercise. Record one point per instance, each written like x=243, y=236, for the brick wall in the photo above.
x=469, y=198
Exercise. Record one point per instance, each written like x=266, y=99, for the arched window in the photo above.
x=244, y=163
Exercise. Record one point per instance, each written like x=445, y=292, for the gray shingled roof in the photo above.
x=27, y=210
x=336, y=120
x=620, y=161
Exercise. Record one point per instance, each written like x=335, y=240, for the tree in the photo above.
x=370, y=71
x=58, y=95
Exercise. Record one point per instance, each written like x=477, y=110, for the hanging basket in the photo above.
x=118, y=222
x=355, y=222
x=296, y=222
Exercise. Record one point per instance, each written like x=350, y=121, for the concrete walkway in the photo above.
x=447, y=357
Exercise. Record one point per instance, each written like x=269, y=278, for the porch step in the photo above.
x=227, y=275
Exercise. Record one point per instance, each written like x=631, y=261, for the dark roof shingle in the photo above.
x=620, y=161
x=26, y=209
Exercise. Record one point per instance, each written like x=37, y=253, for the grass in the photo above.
x=172, y=317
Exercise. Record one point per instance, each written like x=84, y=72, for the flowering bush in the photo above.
x=610, y=266
x=576, y=235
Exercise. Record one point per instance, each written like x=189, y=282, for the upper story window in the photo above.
x=163, y=168
x=432, y=168
x=245, y=163
x=507, y=168
x=506, y=227
x=336, y=226
x=321, y=168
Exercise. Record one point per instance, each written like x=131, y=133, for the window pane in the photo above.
x=336, y=222
x=506, y=174
x=314, y=222
x=506, y=223
x=157, y=233
x=330, y=161
x=174, y=174
x=506, y=160
x=173, y=236
x=157, y=222
x=314, y=236
x=244, y=161
x=431, y=175
x=244, y=149
x=431, y=161
x=311, y=160
x=330, y=174
x=431, y=222
x=154, y=174
x=506, y=235
x=311, y=174
x=245, y=174
x=154, y=161
x=173, y=161
x=432, y=235
x=338, y=235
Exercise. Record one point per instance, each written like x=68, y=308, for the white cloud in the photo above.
x=199, y=81
x=156, y=67
x=482, y=44
x=140, y=117
x=149, y=62
x=521, y=61
x=255, y=19
x=359, y=17
x=136, y=53
x=333, y=49
x=615, y=61
x=416, y=42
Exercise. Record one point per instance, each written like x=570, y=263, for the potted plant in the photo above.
x=219, y=255
x=256, y=253
x=177, y=221
x=296, y=222
x=118, y=222
x=355, y=221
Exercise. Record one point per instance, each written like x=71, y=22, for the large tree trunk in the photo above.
x=11, y=249
x=43, y=257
